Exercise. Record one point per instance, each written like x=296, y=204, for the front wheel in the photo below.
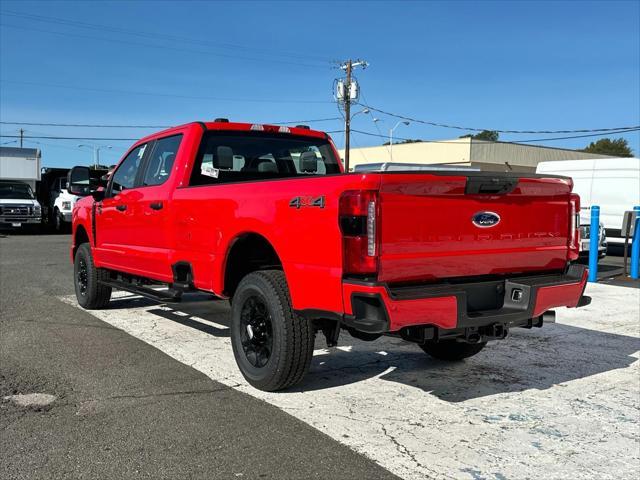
x=58, y=222
x=272, y=345
x=452, y=350
x=91, y=294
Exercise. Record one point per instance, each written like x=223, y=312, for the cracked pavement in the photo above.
x=123, y=408
x=558, y=402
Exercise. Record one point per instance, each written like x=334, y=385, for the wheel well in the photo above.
x=249, y=253
x=79, y=238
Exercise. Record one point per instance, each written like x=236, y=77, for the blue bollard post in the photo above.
x=594, y=230
x=635, y=247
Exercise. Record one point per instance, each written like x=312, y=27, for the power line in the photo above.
x=458, y=127
x=163, y=47
x=629, y=130
x=93, y=125
x=47, y=137
x=191, y=97
x=85, y=125
x=161, y=36
x=362, y=132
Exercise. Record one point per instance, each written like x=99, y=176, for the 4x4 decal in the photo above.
x=300, y=202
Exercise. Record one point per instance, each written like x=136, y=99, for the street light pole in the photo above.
x=96, y=152
x=391, y=136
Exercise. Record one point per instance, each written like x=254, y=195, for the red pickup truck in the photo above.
x=265, y=216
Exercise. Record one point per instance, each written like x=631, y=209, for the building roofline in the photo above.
x=539, y=146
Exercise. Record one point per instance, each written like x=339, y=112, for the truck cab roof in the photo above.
x=224, y=125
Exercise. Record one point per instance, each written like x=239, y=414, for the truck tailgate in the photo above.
x=428, y=231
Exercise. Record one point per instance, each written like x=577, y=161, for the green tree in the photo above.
x=408, y=140
x=488, y=135
x=605, y=146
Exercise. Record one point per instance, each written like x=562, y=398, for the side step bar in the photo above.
x=163, y=296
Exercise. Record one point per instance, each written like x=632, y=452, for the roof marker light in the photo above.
x=284, y=130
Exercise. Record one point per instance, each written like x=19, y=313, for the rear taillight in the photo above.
x=574, y=227
x=359, y=214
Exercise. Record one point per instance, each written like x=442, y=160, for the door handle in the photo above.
x=121, y=208
x=155, y=205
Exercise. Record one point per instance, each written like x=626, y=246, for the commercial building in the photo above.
x=482, y=154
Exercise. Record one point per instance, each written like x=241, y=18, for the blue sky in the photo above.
x=499, y=65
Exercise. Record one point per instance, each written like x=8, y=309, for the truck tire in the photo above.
x=58, y=224
x=271, y=344
x=91, y=294
x=451, y=350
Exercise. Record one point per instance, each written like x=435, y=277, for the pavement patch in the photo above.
x=561, y=401
x=31, y=400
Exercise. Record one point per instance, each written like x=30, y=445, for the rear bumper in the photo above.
x=377, y=308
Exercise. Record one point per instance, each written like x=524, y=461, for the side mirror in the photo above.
x=84, y=181
x=79, y=181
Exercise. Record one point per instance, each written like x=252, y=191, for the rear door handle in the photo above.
x=121, y=208
x=155, y=205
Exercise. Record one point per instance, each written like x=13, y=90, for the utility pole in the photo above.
x=21, y=136
x=347, y=116
x=346, y=98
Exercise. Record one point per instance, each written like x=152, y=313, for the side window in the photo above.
x=161, y=160
x=125, y=176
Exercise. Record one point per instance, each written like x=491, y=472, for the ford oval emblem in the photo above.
x=485, y=219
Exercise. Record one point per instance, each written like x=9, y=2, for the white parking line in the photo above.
x=557, y=402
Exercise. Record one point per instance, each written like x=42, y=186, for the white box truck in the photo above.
x=611, y=183
x=19, y=173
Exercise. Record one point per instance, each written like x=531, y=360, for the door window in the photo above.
x=125, y=175
x=161, y=160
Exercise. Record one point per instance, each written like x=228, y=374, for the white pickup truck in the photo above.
x=18, y=205
x=62, y=203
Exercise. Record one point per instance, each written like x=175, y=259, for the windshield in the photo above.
x=62, y=183
x=245, y=156
x=18, y=191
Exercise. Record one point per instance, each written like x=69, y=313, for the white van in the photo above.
x=611, y=183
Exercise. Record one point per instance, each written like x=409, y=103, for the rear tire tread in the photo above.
x=98, y=294
x=298, y=333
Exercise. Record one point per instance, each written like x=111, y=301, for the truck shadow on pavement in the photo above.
x=528, y=359
x=536, y=359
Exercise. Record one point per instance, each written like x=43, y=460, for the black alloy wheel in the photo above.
x=256, y=331
x=91, y=291
x=82, y=277
x=272, y=345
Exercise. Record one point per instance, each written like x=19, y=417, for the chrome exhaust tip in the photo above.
x=549, y=317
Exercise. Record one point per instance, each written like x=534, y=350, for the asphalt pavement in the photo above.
x=144, y=390
x=122, y=408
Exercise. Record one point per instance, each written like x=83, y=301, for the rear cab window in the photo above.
x=226, y=157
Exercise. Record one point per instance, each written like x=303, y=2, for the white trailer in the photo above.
x=611, y=183
x=21, y=164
